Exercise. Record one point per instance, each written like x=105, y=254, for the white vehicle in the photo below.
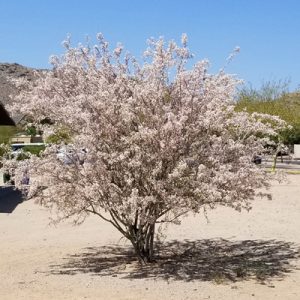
x=69, y=156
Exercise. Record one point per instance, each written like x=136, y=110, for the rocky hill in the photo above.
x=8, y=89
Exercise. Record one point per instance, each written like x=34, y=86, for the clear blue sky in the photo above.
x=267, y=31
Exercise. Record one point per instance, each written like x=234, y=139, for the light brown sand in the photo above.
x=38, y=261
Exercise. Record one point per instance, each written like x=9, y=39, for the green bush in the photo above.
x=36, y=150
x=274, y=100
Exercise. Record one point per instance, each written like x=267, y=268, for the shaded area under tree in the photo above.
x=216, y=260
x=9, y=199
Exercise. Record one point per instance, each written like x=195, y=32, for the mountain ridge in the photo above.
x=8, y=90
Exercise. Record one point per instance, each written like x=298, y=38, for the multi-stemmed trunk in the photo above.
x=143, y=243
x=140, y=234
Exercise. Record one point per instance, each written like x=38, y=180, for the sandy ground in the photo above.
x=233, y=256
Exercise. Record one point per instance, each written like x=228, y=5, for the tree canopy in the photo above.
x=148, y=141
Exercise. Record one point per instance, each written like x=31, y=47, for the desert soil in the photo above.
x=230, y=255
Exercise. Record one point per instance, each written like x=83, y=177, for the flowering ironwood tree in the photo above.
x=147, y=142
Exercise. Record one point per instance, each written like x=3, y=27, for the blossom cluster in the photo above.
x=160, y=139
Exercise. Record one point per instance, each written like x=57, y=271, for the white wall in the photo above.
x=297, y=151
x=1, y=178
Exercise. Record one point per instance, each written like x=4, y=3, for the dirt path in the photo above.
x=234, y=256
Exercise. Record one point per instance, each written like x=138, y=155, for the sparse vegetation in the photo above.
x=36, y=150
x=273, y=98
x=6, y=132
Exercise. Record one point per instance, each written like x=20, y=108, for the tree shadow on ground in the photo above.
x=215, y=260
x=9, y=199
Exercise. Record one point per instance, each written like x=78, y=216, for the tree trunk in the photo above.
x=143, y=245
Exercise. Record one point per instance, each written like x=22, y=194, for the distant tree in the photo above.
x=150, y=142
x=269, y=91
x=273, y=98
x=290, y=112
